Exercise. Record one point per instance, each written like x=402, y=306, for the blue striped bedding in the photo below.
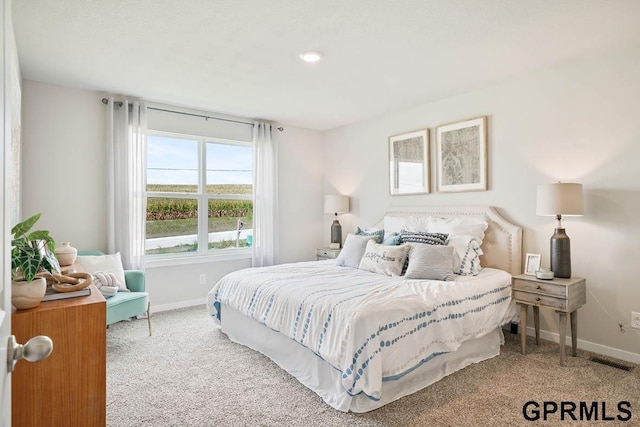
x=370, y=327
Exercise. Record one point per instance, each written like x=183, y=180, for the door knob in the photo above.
x=36, y=349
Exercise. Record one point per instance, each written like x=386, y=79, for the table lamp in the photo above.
x=557, y=200
x=336, y=204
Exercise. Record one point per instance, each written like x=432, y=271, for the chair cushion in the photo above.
x=124, y=305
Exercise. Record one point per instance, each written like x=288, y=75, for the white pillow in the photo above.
x=105, y=263
x=384, y=259
x=459, y=226
x=430, y=262
x=353, y=249
x=107, y=283
x=393, y=224
x=418, y=223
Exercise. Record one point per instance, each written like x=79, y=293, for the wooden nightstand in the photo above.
x=562, y=295
x=326, y=253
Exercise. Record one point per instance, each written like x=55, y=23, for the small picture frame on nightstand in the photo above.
x=531, y=264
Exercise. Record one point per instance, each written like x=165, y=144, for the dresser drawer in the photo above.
x=542, y=288
x=538, y=299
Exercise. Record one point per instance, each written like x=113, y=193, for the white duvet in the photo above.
x=370, y=327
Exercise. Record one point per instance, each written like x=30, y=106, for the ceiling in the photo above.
x=241, y=57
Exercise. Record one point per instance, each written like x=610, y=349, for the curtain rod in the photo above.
x=119, y=104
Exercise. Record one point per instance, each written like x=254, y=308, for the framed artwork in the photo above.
x=409, y=163
x=531, y=264
x=461, y=151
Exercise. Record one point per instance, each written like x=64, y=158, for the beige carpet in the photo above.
x=190, y=374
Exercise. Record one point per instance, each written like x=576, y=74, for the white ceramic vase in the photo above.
x=66, y=254
x=28, y=294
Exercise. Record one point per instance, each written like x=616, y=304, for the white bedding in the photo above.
x=371, y=328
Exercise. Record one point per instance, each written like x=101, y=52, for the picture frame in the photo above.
x=461, y=153
x=531, y=264
x=409, y=171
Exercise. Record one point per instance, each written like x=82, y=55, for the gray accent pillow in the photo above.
x=352, y=251
x=430, y=262
x=384, y=259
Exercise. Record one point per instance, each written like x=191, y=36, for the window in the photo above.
x=199, y=194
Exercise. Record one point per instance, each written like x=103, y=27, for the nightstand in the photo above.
x=562, y=295
x=326, y=253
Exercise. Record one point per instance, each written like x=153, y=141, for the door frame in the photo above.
x=8, y=56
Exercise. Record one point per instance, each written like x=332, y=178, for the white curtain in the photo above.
x=265, y=197
x=127, y=168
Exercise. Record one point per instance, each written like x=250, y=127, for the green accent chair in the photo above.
x=125, y=305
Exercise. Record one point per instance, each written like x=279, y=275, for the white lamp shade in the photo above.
x=336, y=204
x=559, y=199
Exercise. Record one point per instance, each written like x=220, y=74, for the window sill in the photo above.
x=155, y=261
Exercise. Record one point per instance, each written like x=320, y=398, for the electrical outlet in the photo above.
x=635, y=320
x=203, y=281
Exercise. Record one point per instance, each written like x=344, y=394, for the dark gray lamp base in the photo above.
x=336, y=232
x=560, y=254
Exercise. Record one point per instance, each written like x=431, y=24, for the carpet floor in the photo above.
x=190, y=374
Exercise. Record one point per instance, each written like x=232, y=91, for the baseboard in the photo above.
x=588, y=346
x=175, y=305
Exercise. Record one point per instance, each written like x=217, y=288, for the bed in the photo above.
x=360, y=339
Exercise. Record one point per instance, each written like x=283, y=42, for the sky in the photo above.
x=175, y=161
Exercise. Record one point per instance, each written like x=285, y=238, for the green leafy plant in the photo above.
x=32, y=252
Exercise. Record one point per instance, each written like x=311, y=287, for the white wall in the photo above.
x=63, y=163
x=301, y=171
x=577, y=122
x=64, y=149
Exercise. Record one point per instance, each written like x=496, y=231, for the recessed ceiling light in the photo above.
x=311, y=56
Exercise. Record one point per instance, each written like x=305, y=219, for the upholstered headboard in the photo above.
x=502, y=244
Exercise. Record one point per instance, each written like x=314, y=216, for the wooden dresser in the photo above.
x=69, y=387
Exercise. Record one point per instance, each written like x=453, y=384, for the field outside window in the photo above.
x=199, y=195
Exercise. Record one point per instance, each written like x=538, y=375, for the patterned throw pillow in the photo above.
x=430, y=262
x=423, y=237
x=466, y=255
x=375, y=234
x=384, y=259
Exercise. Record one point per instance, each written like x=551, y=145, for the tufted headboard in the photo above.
x=502, y=244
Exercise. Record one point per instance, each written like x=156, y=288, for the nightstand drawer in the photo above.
x=538, y=299
x=326, y=253
x=549, y=288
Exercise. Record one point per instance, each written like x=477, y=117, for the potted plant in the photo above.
x=32, y=253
